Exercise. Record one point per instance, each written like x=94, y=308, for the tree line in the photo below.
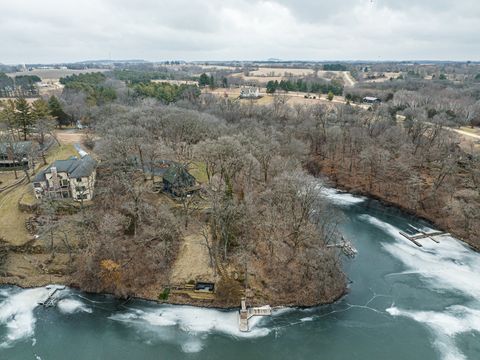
x=21, y=118
x=18, y=86
x=305, y=86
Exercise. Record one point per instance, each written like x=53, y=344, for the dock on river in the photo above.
x=246, y=313
x=422, y=235
x=51, y=298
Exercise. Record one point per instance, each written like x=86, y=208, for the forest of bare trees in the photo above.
x=258, y=209
x=260, y=213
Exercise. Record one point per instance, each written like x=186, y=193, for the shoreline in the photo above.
x=197, y=304
x=408, y=211
x=317, y=172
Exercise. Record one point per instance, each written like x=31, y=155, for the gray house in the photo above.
x=71, y=178
x=178, y=181
x=16, y=155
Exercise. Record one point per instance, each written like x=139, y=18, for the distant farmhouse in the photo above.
x=177, y=181
x=371, y=100
x=250, y=92
x=64, y=179
x=17, y=155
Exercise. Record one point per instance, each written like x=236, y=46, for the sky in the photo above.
x=55, y=31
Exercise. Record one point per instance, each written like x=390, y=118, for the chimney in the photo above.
x=55, y=181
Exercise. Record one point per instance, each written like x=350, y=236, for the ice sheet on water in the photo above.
x=449, y=265
x=186, y=325
x=338, y=197
x=70, y=306
x=16, y=313
x=445, y=325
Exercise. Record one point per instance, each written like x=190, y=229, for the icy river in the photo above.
x=405, y=302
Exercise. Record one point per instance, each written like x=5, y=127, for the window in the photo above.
x=37, y=185
x=80, y=188
x=80, y=197
x=64, y=182
x=79, y=179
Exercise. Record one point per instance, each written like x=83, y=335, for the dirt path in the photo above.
x=70, y=136
x=349, y=80
x=193, y=262
x=466, y=133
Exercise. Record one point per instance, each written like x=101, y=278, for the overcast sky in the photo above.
x=73, y=30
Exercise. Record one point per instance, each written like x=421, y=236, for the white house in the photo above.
x=71, y=178
x=250, y=92
x=371, y=100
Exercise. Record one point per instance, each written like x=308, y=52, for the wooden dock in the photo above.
x=246, y=313
x=347, y=248
x=422, y=235
x=51, y=299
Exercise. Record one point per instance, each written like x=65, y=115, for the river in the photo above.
x=404, y=302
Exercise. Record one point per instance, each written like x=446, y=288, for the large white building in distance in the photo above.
x=72, y=178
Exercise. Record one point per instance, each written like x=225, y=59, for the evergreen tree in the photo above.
x=211, y=82
x=44, y=122
x=224, y=82
x=8, y=115
x=204, y=80
x=271, y=87
x=23, y=116
x=57, y=112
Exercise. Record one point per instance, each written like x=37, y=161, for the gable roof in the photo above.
x=19, y=148
x=74, y=167
x=178, y=175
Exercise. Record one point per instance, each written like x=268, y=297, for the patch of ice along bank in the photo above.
x=186, y=326
x=16, y=313
x=70, y=306
x=445, y=325
x=338, y=197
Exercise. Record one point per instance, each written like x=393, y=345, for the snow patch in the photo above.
x=447, y=266
x=16, y=313
x=445, y=325
x=186, y=326
x=338, y=197
x=70, y=306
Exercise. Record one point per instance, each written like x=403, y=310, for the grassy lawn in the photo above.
x=198, y=169
x=61, y=152
x=12, y=220
x=8, y=177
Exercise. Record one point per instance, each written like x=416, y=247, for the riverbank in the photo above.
x=45, y=280
x=440, y=216
x=398, y=294
x=32, y=265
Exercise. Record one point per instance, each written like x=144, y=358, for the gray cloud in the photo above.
x=70, y=30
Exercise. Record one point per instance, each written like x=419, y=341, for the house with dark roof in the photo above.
x=16, y=155
x=72, y=178
x=178, y=181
